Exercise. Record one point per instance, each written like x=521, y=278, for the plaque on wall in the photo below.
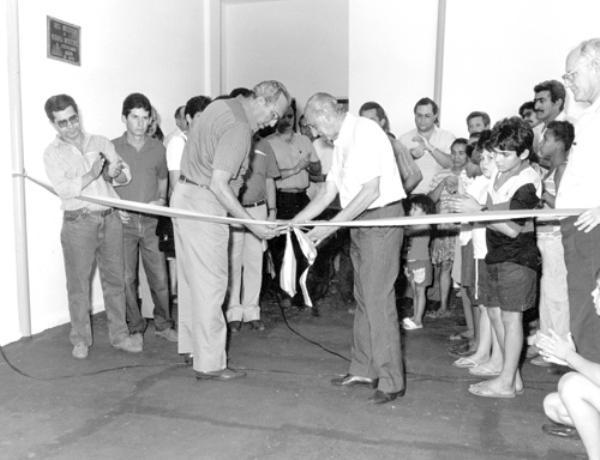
x=64, y=41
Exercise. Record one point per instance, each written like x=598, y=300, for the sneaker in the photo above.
x=169, y=334
x=80, y=351
x=138, y=337
x=410, y=325
x=129, y=344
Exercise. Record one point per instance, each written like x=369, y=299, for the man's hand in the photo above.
x=318, y=234
x=124, y=216
x=303, y=163
x=417, y=152
x=463, y=203
x=115, y=168
x=587, y=221
x=423, y=143
x=554, y=348
x=263, y=232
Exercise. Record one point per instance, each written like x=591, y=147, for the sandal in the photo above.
x=465, y=363
x=558, y=429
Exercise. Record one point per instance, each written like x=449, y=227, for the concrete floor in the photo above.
x=285, y=408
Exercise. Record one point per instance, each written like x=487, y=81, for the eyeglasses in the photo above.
x=570, y=76
x=72, y=120
x=275, y=115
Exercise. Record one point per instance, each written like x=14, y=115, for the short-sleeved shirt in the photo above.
x=362, y=152
x=521, y=191
x=288, y=152
x=147, y=166
x=579, y=185
x=66, y=165
x=440, y=139
x=262, y=166
x=418, y=246
x=175, y=148
x=219, y=139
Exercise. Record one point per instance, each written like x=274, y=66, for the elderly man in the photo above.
x=428, y=144
x=580, y=188
x=91, y=233
x=212, y=169
x=364, y=173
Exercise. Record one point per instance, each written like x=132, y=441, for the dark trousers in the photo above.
x=139, y=237
x=582, y=258
x=288, y=205
x=375, y=253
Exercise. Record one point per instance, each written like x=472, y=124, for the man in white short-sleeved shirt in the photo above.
x=364, y=172
x=428, y=144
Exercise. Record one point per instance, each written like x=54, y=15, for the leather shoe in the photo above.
x=381, y=397
x=560, y=430
x=349, y=380
x=223, y=375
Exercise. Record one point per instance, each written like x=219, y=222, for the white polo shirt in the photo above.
x=362, y=152
x=441, y=140
x=580, y=183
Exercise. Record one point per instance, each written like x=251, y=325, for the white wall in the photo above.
x=496, y=52
x=392, y=56
x=134, y=45
x=302, y=43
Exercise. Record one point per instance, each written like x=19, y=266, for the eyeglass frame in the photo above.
x=72, y=121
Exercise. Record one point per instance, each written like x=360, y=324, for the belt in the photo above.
x=87, y=211
x=292, y=191
x=185, y=180
x=253, y=205
x=384, y=206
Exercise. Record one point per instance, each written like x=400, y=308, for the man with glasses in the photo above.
x=77, y=162
x=580, y=188
x=296, y=159
x=214, y=161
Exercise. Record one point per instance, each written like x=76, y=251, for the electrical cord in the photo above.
x=418, y=377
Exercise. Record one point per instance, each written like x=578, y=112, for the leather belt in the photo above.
x=253, y=205
x=87, y=211
x=185, y=180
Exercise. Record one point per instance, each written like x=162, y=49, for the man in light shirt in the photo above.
x=91, y=233
x=580, y=188
x=428, y=144
x=364, y=173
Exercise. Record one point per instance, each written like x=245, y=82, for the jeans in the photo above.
x=139, y=237
x=89, y=238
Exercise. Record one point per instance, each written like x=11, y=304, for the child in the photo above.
x=554, y=296
x=418, y=262
x=445, y=184
x=512, y=259
x=577, y=402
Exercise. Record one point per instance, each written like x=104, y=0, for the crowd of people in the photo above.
x=240, y=155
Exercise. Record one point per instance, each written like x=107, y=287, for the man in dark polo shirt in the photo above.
x=212, y=167
x=147, y=160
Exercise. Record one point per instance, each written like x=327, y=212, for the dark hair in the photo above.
x=420, y=200
x=512, y=134
x=427, y=101
x=555, y=88
x=136, y=101
x=59, y=103
x=526, y=106
x=484, y=116
x=483, y=141
x=371, y=105
x=245, y=92
x=562, y=131
x=196, y=104
x=459, y=140
x=178, y=111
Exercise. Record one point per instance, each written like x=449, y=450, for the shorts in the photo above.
x=512, y=287
x=478, y=289
x=419, y=272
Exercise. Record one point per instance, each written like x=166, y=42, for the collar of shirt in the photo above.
x=61, y=143
x=346, y=130
x=123, y=141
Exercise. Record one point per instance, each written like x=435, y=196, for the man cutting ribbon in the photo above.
x=365, y=175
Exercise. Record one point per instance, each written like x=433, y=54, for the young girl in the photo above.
x=418, y=262
x=445, y=184
x=554, y=298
